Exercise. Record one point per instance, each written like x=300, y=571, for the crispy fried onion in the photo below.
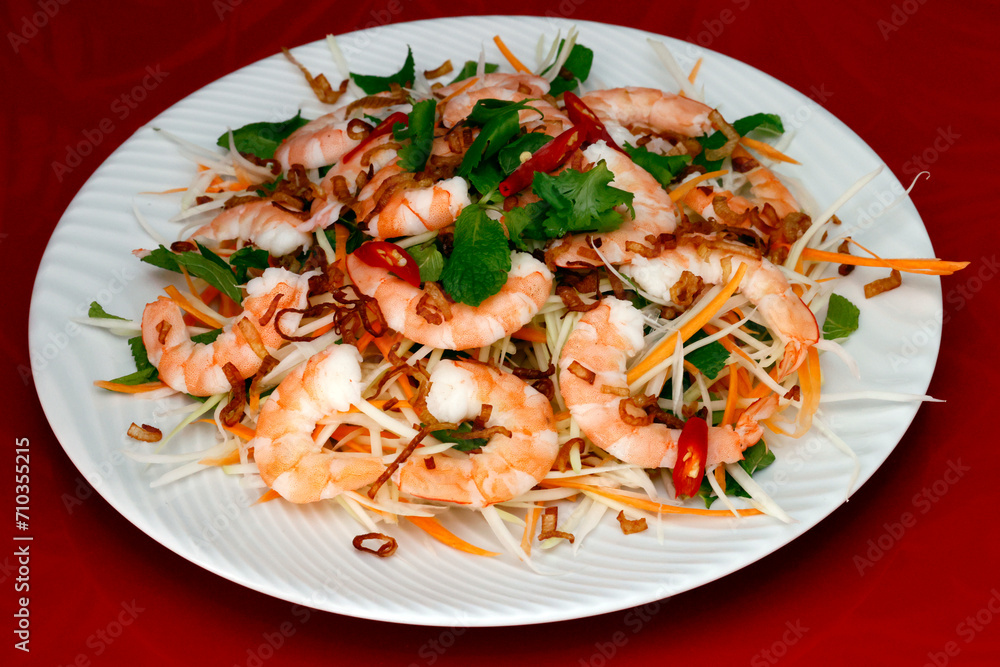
x=649, y=411
x=442, y=69
x=232, y=414
x=434, y=306
x=341, y=191
x=162, y=329
x=387, y=547
x=405, y=454
x=732, y=137
x=253, y=394
x=358, y=129
x=686, y=289
x=845, y=248
x=654, y=246
x=183, y=246
x=785, y=233
x=630, y=526
x=320, y=86
x=540, y=380
x=550, y=517
x=585, y=374
x=573, y=301
x=145, y=433
x=350, y=315
x=880, y=285
x=271, y=309
x=389, y=187
x=252, y=336
x=239, y=200
x=369, y=154
x=793, y=394
x=395, y=96
x=562, y=458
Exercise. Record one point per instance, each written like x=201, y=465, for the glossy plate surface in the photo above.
x=304, y=554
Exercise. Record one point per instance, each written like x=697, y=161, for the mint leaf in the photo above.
x=221, y=278
x=581, y=201
x=96, y=310
x=163, y=258
x=207, y=337
x=429, y=260
x=710, y=359
x=145, y=371
x=376, y=84
x=767, y=122
x=841, y=318
x=420, y=131
x=480, y=258
x=577, y=64
x=248, y=258
x=469, y=70
x=664, y=168
x=510, y=155
x=262, y=139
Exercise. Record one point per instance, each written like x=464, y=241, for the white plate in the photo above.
x=304, y=554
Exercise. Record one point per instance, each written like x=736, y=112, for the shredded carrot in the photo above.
x=187, y=280
x=181, y=301
x=433, y=527
x=681, y=190
x=228, y=307
x=232, y=458
x=208, y=295
x=458, y=91
x=641, y=502
x=164, y=192
x=268, y=495
x=340, y=236
x=530, y=520
x=241, y=430
x=129, y=388
x=809, y=382
x=934, y=267
x=720, y=476
x=694, y=71
x=767, y=150
x=530, y=334
x=729, y=415
x=514, y=62
x=666, y=347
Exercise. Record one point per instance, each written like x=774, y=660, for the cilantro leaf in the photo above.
x=372, y=84
x=96, y=310
x=245, y=258
x=710, y=359
x=420, y=131
x=664, y=168
x=841, y=318
x=510, y=155
x=429, y=260
x=262, y=139
x=527, y=222
x=581, y=201
x=480, y=258
x=469, y=70
x=577, y=64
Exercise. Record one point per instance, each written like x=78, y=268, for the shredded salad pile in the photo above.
x=512, y=173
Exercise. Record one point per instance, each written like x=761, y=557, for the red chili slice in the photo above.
x=385, y=255
x=692, y=452
x=583, y=116
x=545, y=159
x=385, y=127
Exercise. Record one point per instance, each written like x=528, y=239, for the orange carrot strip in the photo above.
x=208, y=295
x=934, y=267
x=530, y=334
x=666, y=348
x=433, y=527
x=530, y=520
x=514, y=62
x=228, y=307
x=720, y=476
x=641, y=502
x=340, y=236
x=561, y=416
x=267, y=496
x=694, y=71
x=459, y=91
x=681, y=190
x=164, y=192
x=729, y=414
x=767, y=150
x=179, y=299
x=232, y=458
x=241, y=430
x=129, y=388
x=187, y=279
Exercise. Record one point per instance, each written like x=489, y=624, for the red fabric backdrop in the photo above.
x=915, y=79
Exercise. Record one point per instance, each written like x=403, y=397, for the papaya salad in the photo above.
x=498, y=289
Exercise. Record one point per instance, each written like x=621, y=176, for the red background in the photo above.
x=917, y=81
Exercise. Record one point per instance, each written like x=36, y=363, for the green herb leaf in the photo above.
x=480, y=258
x=262, y=139
x=500, y=123
x=207, y=337
x=163, y=258
x=841, y=318
x=372, y=84
x=527, y=222
x=581, y=201
x=469, y=70
x=755, y=458
x=96, y=310
x=710, y=359
x=429, y=260
x=664, y=168
x=420, y=131
x=247, y=258
x=578, y=64
x=461, y=445
x=510, y=155
x=145, y=371
x=221, y=278
x=767, y=122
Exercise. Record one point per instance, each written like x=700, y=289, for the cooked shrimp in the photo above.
x=528, y=285
x=551, y=119
x=655, y=214
x=262, y=223
x=391, y=210
x=507, y=466
x=765, y=188
x=196, y=368
x=602, y=343
x=290, y=461
x=529, y=84
x=329, y=206
x=763, y=285
x=650, y=109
